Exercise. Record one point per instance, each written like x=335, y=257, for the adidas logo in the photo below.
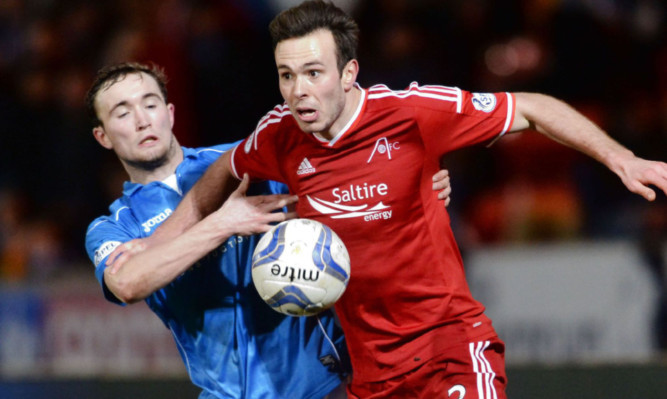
x=305, y=167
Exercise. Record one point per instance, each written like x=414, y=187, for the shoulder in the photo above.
x=118, y=225
x=416, y=94
x=277, y=125
x=208, y=153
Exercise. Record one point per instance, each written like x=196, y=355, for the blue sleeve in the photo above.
x=102, y=237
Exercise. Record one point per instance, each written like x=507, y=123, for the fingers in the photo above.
x=441, y=174
x=445, y=193
x=123, y=253
x=650, y=174
x=441, y=180
x=644, y=191
x=441, y=184
x=268, y=203
x=118, y=262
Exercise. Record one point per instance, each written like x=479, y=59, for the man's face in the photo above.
x=136, y=121
x=311, y=83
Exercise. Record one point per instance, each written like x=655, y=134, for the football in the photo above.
x=300, y=267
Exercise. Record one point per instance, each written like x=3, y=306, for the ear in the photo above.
x=101, y=136
x=171, y=108
x=349, y=75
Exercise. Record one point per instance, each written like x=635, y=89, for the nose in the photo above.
x=142, y=121
x=299, y=89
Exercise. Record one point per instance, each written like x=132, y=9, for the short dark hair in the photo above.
x=112, y=74
x=313, y=15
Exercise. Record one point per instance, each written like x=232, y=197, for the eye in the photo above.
x=313, y=73
x=285, y=76
x=123, y=114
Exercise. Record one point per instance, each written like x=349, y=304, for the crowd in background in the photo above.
x=608, y=58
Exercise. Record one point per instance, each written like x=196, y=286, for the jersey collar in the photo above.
x=130, y=188
x=350, y=124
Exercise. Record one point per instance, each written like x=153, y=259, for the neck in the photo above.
x=145, y=176
x=352, y=99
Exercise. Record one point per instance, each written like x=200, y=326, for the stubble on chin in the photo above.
x=149, y=165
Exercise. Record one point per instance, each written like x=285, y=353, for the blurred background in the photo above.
x=570, y=265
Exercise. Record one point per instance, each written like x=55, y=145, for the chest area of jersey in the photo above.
x=373, y=180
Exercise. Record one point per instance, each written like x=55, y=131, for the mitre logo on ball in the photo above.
x=300, y=267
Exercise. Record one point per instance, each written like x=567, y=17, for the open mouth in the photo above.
x=307, y=114
x=148, y=140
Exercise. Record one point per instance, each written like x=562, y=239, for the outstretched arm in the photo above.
x=136, y=270
x=564, y=124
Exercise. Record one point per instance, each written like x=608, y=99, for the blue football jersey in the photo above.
x=232, y=343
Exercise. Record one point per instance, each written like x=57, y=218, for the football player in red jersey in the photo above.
x=363, y=167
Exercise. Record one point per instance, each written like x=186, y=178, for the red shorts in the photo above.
x=472, y=371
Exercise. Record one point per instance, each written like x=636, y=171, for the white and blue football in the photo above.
x=300, y=267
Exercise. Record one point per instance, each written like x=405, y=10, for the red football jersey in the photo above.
x=407, y=298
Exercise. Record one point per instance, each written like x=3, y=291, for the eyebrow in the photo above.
x=124, y=103
x=304, y=66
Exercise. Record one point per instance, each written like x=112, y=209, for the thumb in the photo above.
x=243, y=187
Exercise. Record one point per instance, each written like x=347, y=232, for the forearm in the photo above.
x=138, y=268
x=560, y=122
x=152, y=269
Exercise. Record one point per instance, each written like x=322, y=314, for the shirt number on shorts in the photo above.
x=460, y=389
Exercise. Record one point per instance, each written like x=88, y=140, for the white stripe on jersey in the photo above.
x=508, y=119
x=443, y=93
x=510, y=113
x=485, y=374
x=234, y=171
x=274, y=116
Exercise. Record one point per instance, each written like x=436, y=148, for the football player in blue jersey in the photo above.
x=199, y=284
x=232, y=343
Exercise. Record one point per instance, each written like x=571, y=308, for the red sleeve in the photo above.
x=463, y=120
x=257, y=155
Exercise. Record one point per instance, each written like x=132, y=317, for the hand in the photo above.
x=637, y=174
x=123, y=252
x=247, y=215
x=441, y=182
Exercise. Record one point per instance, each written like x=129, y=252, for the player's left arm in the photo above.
x=562, y=123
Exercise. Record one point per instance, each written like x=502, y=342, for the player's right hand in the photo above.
x=246, y=215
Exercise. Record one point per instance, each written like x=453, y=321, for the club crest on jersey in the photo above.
x=382, y=147
x=485, y=102
x=305, y=167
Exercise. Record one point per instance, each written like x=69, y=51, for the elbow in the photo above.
x=125, y=290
